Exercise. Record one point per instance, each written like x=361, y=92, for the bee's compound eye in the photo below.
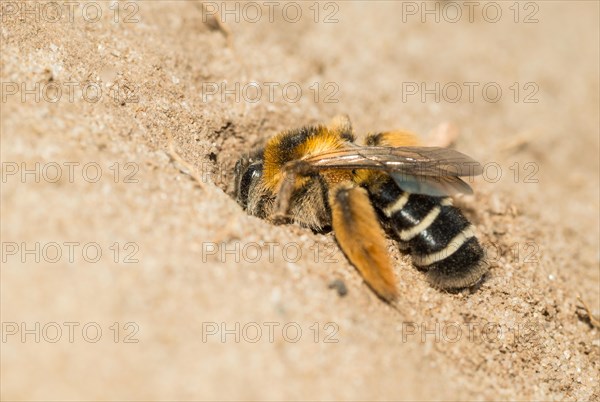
x=254, y=171
x=245, y=180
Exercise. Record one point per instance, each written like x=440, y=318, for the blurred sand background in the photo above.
x=157, y=64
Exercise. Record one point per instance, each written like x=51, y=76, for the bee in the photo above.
x=318, y=177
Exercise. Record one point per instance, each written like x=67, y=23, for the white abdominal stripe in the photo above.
x=408, y=234
x=397, y=205
x=403, y=200
x=453, y=246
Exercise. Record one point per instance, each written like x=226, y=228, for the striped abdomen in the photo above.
x=437, y=235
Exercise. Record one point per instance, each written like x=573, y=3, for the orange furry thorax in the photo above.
x=278, y=152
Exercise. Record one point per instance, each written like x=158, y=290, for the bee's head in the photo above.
x=248, y=173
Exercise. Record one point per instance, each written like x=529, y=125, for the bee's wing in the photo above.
x=422, y=170
x=418, y=161
x=431, y=185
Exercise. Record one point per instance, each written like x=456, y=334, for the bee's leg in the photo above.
x=361, y=237
x=282, y=202
x=290, y=172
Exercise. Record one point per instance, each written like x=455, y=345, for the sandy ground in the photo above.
x=192, y=299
